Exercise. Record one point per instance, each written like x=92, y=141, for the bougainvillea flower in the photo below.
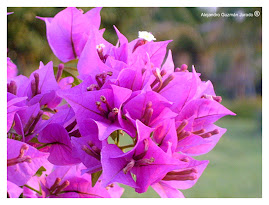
x=33, y=188
x=121, y=49
x=68, y=31
x=88, y=147
x=131, y=79
x=165, y=134
x=23, y=161
x=188, y=85
x=146, y=160
x=185, y=178
x=136, y=77
x=47, y=81
x=43, y=86
x=148, y=107
x=105, y=56
x=200, y=142
x=200, y=89
x=178, y=89
x=149, y=102
x=115, y=58
x=113, y=166
x=12, y=70
x=115, y=162
x=195, y=130
x=18, y=86
x=156, y=52
x=142, y=50
x=27, y=119
x=180, y=178
x=67, y=182
x=204, y=111
x=101, y=105
x=60, y=144
x=156, y=170
x=40, y=88
x=63, y=115
x=93, y=58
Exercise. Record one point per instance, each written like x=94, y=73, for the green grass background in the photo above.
x=235, y=168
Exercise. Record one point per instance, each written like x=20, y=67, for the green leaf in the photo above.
x=35, y=140
x=45, y=117
x=71, y=63
x=69, y=71
x=12, y=131
x=95, y=176
x=46, y=109
x=39, y=171
x=70, y=68
x=114, y=135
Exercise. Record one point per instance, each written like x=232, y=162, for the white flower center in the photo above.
x=146, y=35
x=100, y=46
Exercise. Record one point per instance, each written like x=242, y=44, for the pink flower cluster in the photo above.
x=129, y=117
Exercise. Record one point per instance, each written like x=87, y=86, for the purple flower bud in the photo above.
x=21, y=158
x=59, y=72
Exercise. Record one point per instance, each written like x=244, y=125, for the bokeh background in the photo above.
x=227, y=51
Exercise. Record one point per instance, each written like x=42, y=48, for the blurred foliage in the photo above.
x=250, y=108
x=225, y=50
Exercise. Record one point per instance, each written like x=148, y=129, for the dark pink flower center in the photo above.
x=20, y=158
x=140, y=42
x=35, y=84
x=182, y=134
x=92, y=150
x=187, y=174
x=12, y=87
x=139, y=160
x=56, y=188
x=59, y=72
x=159, y=84
x=109, y=113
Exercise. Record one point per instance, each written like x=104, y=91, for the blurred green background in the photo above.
x=227, y=51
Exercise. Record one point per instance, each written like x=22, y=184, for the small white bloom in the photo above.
x=100, y=46
x=146, y=35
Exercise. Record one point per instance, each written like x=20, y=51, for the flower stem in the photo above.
x=118, y=138
x=44, y=145
x=39, y=192
x=127, y=146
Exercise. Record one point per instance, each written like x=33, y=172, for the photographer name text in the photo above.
x=228, y=15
